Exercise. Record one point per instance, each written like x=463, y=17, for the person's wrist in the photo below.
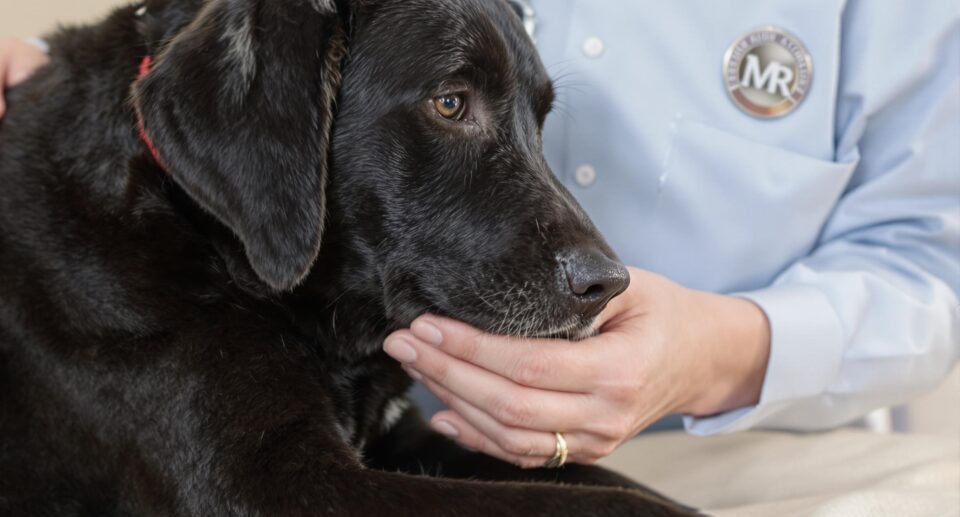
x=732, y=339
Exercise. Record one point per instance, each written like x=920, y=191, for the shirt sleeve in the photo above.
x=870, y=318
x=39, y=43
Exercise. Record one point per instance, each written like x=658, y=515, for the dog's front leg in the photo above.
x=335, y=486
x=261, y=439
x=412, y=447
x=287, y=459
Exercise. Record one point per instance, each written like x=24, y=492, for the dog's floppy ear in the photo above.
x=239, y=106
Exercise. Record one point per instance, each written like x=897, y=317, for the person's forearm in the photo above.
x=734, y=336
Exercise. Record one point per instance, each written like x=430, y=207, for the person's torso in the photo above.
x=678, y=178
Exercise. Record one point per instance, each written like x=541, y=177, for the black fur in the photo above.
x=203, y=336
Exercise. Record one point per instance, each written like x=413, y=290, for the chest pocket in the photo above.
x=734, y=211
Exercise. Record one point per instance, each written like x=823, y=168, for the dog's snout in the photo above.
x=593, y=278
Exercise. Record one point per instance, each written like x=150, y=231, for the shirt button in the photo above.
x=586, y=175
x=593, y=47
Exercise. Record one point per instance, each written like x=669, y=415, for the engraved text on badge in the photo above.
x=767, y=72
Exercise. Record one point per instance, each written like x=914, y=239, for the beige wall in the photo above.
x=37, y=17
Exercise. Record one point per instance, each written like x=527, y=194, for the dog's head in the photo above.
x=439, y=176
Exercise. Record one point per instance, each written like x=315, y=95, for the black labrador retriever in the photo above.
x=199, y=262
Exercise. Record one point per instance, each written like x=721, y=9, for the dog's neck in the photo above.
x=343, y=299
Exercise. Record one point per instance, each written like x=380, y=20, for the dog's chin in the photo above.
x=576, y=327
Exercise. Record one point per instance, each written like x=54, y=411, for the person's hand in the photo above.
x=661, y=349
x=18, y=60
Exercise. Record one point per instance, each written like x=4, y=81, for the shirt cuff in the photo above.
x=806, y=350
x=39, y=43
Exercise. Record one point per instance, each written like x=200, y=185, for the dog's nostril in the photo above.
x=593, y=278
x=593, y=290
x=587, y=282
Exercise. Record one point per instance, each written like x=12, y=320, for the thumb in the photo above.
x=614, y=310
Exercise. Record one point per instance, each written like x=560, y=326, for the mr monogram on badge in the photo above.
x=767, y=72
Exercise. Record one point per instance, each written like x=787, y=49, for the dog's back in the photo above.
x=74, y=192
x=92, y=255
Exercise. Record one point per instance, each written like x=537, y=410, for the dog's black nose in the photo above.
x=594, y=279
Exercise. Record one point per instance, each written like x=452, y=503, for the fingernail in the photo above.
x=443, y=427
x=427, y=332
x=400, y=350
x=412, y=373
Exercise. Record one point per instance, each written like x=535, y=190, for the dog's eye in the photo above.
x=450, y=106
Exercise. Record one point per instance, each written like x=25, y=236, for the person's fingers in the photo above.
x=23, y=65
x=18, y=61
x=473, y=430
x=18, y=73
x=23, y=59
x=455, y=427
x=521, y=442
x=507, y=402
x=540, y=363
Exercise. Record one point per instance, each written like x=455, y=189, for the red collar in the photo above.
x=144, y=69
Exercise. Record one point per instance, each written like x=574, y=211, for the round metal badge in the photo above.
x=767, y=72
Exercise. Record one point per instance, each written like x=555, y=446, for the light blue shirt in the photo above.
x=841, y=219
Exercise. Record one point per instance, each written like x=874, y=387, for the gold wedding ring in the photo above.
x=559, y=457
